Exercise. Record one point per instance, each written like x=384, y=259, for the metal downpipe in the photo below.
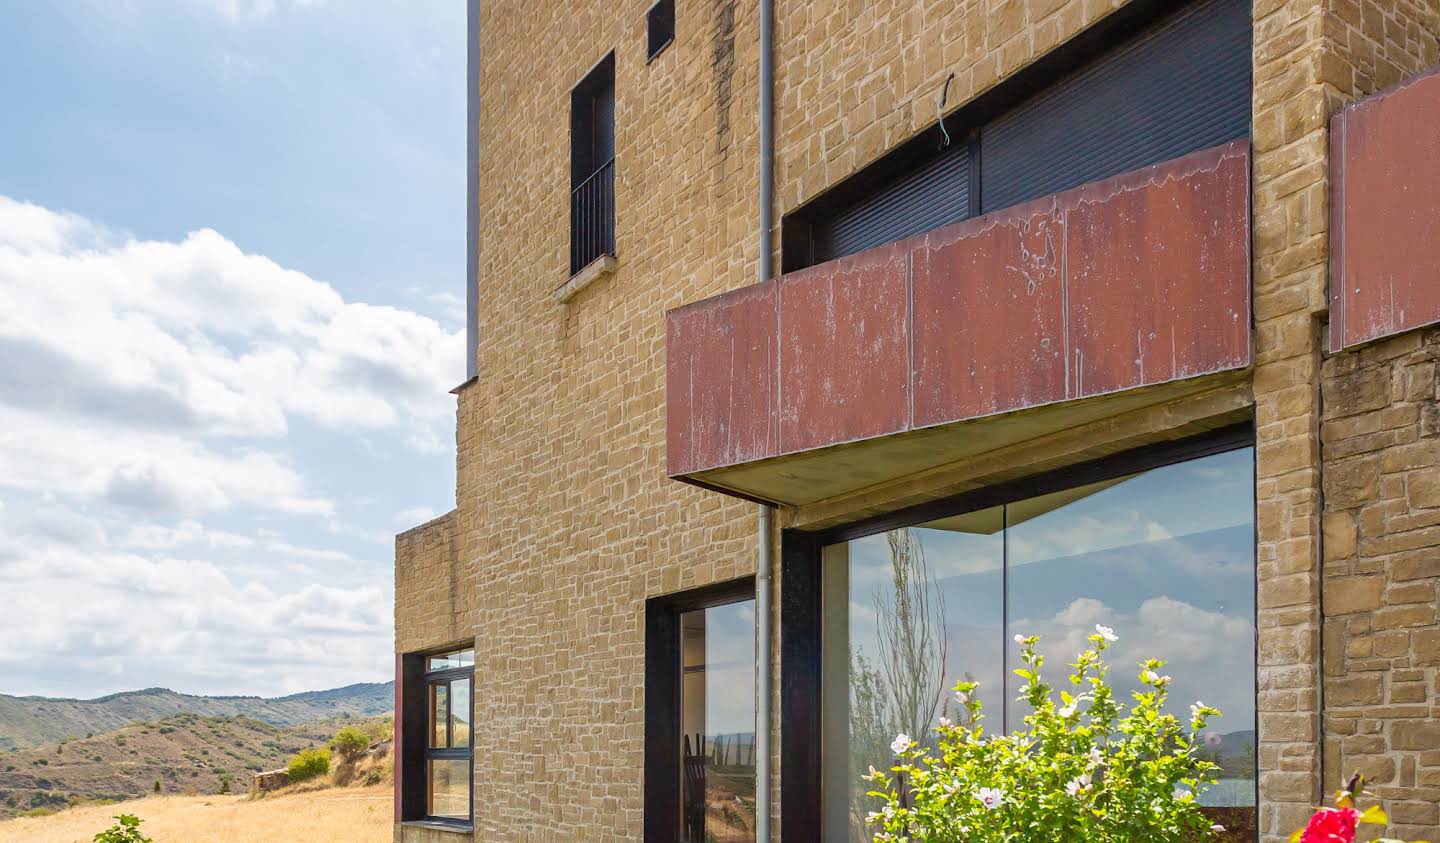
x=764, y=554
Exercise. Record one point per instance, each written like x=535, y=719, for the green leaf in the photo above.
x=1375, y=815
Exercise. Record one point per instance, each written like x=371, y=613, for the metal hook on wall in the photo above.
x=940, y=109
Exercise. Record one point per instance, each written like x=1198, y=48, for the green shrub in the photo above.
x=350, y=742
x=308, y=763
x=42, y=811
x=1083, y=768
x=125, y=830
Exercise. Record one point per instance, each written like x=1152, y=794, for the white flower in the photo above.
x=1107, y=633
x=1218, y=828
x=946, y=723
x=1150, y=677
x=1183, y=795
x=1095, y=755
x=1195, y=710
x=962, y=697
x=872, y=817
x=1069, y=710
x=1076, y=786
x=1019, y=639
x=1164, y=680
x=989, y=797
x=901, y=743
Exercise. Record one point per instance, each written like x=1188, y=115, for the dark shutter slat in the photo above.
x=935, y=195
x=1182, y=87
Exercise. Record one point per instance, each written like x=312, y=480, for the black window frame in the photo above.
x=664, y=700
x=659, y=29
x=801, y=609
x=416, y=729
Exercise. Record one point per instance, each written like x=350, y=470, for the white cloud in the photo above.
x=414, y=516
x=196, y=385
x=148, y=536
x=125, y=614
x=1209, y=654
x=252, y=11
x=134, y=366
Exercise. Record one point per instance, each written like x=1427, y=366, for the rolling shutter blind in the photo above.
x=936, y=194
x=1182, y=87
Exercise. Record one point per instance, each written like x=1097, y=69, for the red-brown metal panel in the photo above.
x=1137, y=280
x=845, y=358
x=1385, y=213
x=720, y=380
x=989, y=315
x=1158, y=273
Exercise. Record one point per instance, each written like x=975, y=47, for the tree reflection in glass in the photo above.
x=1166, y=557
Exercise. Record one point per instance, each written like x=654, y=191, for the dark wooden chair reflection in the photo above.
x=693, y=819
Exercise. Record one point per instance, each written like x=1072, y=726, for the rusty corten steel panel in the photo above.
x=720, y=380
x=1137, y=280
x=989, y=315
x=1385, y=213
x=1158, y=273
x=845, y=358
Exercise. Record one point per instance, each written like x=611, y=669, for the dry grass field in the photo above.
x=336, y=815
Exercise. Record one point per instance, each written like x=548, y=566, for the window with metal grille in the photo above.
x=592, y=166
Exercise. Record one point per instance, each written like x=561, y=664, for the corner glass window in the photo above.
x=449, y=754
x=1166, y=557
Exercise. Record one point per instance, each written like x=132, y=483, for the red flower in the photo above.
x=1331, y=825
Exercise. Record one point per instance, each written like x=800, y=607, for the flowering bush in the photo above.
x=1338, y=824
x=1083, y=769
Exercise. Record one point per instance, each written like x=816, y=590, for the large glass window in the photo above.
x=700, y=715
x=449, y=752
x=717, y=738
x=1166, y=557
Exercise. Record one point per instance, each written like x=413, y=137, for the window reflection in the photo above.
x=439, y=707
x=460, y=712
x=717, y=748
x=450, y=788
x=923, y=611
x=1166, y=557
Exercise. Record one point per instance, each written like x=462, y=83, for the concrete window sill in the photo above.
x=430, y=825
x=594, y=271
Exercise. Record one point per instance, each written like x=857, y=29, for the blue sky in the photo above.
x=231, y=279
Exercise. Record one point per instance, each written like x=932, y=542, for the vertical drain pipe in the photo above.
x=764, y=561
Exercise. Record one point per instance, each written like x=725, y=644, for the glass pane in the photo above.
x=1166, y=558
x=438, y=708
x=450, y=788
x=906, y=615
x=718, y=724
x=460, y=712
x=449, y=661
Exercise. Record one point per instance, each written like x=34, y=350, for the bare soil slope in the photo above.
x=340, y=815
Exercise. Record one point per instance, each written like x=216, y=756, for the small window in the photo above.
x=660, y=27
x=438, y=743
x=700, y=715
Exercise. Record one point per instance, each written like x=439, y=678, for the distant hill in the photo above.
x=186, y=753
x=38, y=721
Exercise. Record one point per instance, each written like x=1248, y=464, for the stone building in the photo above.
x=1006, y=316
